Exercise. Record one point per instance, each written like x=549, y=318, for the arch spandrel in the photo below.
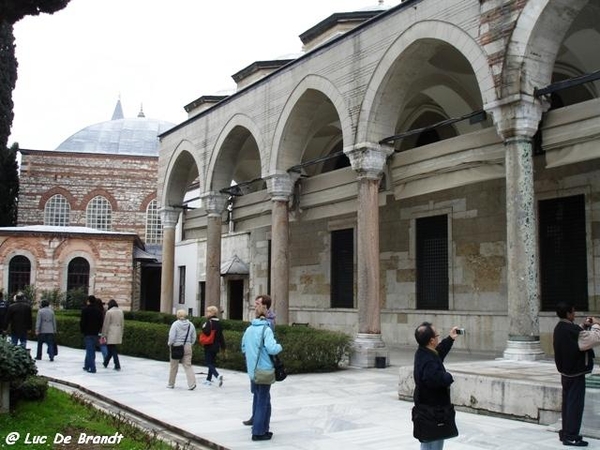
x=535, y=43
x=286, y=154
x=181, y=172
x=240, y=134
x=377, y=114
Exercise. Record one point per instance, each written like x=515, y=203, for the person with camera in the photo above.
x=432, y=383
x=574, y=359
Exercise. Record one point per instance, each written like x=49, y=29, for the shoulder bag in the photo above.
x=263, y=376
x=177, y=350
x=433, y=422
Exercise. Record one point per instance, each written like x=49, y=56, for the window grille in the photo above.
x=99, y=214
x=563, y=252
x=57, y=211
x=19, y=274
x=78, y=275
x=181, y=285
x=342, y=268
x=153, y=224
x=432, y=262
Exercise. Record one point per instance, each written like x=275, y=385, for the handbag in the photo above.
x=263, y=376
x=177, y=350
x=433, y=423
x=279, y=368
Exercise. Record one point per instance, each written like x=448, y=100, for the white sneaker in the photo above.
x=220, y=380
x=207, y=383
x=170, y=386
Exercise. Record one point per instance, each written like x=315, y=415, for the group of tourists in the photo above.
x=258, y=344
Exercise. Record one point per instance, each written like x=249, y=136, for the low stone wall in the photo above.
x=522, y=390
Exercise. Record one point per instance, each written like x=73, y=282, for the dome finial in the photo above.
x=118, y=112
x=141, y=113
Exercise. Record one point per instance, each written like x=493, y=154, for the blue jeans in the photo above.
x=90, y=352
x=210, y=358
x=261, y=408
x=15, y=338
x=434, y=445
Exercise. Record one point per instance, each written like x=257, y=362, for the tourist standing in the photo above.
x=265, y=301
x=90, y=325
x=432, y=381
x=19, y=319
x=258, y=343
x=182, y=332
x=574, y=359
x=45, y=329
x=212, y=325
x=112, y=331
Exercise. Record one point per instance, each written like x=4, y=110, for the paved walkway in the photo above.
x=353, y=409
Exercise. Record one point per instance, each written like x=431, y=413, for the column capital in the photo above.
x=214, y=203
x=281, y=185
x=368, y=159
x=518, y=116
x=169, y=216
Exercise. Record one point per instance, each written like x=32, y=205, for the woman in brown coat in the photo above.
x=112, y=330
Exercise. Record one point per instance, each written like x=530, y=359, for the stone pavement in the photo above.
x=351, y=409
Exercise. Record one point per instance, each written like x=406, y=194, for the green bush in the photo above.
x=305, y=349
x=74, y=299
x=54, y=297
x=15, y=362
x=32, y=388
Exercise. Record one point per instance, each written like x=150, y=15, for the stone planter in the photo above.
x=4, y=397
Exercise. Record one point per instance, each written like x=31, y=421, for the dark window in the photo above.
x=19, y=274
x=78, y=276
x=181, y=285
x=202, y=287
x=342, y=268
x=432, y=262
x=563, y=253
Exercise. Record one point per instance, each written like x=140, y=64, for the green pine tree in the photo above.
x=11, y=11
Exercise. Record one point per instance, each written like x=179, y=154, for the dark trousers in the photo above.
x=48, y=339
x=210, y=358
x=112, y=353
x=573, y=400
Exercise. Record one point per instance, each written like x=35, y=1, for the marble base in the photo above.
x=523, y=351
x=367, y=350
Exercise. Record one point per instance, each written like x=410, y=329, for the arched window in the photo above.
x=78, y=275
x=153, y=224
x=57, y=211
x=98, y=214
x=19, y=274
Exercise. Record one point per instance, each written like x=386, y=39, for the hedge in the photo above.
x=305, y=349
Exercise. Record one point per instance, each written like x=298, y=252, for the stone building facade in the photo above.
x=440, y=161
x=90, y=207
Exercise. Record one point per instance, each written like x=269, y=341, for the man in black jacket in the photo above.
x=19, y=319
x=432, y=382
x=574, y=359
x=90, y=325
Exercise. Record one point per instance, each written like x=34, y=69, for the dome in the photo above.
x=119, y=136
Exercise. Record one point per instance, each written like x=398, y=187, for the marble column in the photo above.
x=280, y=187
x=368, y=160
x=214, y=204
x=169, y=218
x=517, y=122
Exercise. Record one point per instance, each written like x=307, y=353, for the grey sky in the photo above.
x=74, y=64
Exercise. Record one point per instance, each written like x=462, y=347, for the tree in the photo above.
x=11, y=11
x=9, y=186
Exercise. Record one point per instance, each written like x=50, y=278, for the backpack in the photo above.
x=205, y=339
